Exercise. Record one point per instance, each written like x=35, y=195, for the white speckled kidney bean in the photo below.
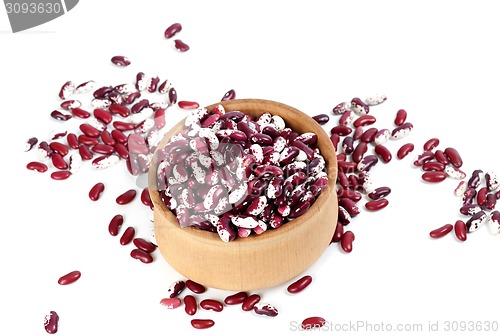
x=359, y=107
x=67, y=89
x=104, y=162
x=454, y=172
x=492, y=181
x=346, y=118
x=278, y=122
x=375, y=99
x=176, y=288
x=244, y=221
x=402, y=131
x=265, y=309
x=341, y=108
x=494, y=222
x=170, y=303
x=366, y=163
x=460, y=189
x=382, y=136
x=476, y=221
x=100, y=103
x=85, y=87
x=51, y=322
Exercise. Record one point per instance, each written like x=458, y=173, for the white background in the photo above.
x=438, y=60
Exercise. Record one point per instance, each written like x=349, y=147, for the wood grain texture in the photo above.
x=258, y=261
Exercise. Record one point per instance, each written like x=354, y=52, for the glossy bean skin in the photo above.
x=321, y=118
x=127, y=236
x=441, y=231
x=37, y=166
x=400, y=117
x=346, y=241
x=69, y=278
x=339, y=231
x=126, y=197
x=195, y=287
x=299, y=285
x=460, y=230
x=405, y=149
x=453, y=156
x=96, y=191
x=144, y=245
x=250, y=302
x=141, y=255
x=312, y=323
x=431, y=144
x=235, y=299
x=190, y=305
x=115, y=224
x=375, y=205
x=212, y=305
x=379, y=192
x=202, y=323
x=172, y=30
x=51, y=322
x=384, y=153
x=434, y=176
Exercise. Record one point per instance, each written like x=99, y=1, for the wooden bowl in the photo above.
x=257, y=261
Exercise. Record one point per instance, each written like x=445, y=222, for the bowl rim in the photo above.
x=213, y=238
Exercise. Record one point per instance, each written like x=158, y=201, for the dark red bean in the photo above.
x=146, y=198
x=188, y=104
x=85, y=152
x=72, y=141
x=172, y=96
x=235, y=299
x=118, y=136
x=82, y=114
x=335, y=139
x=106, y=138
x=190, y=305
x=349, y=194
x=405, y=150
x=142, y=244
x=212, y=305
x=359, y=151
x=69, y=278
x=181, y=46
x=475, y=178
x=350, y=206
x=347, y=167
x=441, y=157
x=121, y=110
x=37, y=166
x=347, y=145
x=460, y=230
x=384, y=153
x=341, y=130
x=339, y=231
x=400, y=117
x=96, y=191
x=343, y=180
x=481, y=195
x=141, y=255
x=375, y=205
x=121, y=150
x=30, y=143
x=299, y=209
x=84, y=139
x=358, y=132
x=126, y=197
x=127, y=236
x=120, y=125
x=60, y=175
x=321, y=118
x=453, y=156
x=195, y=287
x=346, y=241
x=103, y=149
x=431, y=144
x=441, y=231
x=250, y=302
x=299, y=285
x=369, y=135
x=433, y=166
x=202, y=323
x=103, y=115
x=364, y=120
x=115, y=224
x=59, y=148
x=312, y=323
x=353, y=182
x=51, y=322
x=172, y=30
x=434, y=176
